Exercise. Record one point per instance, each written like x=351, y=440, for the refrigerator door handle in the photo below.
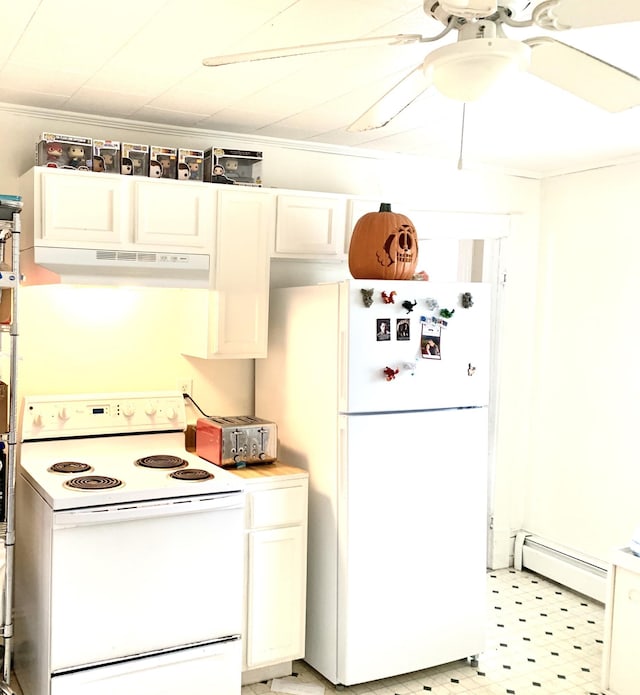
x=343, y=374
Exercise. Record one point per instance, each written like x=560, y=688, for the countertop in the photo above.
x=268, y=470
x=260, y=472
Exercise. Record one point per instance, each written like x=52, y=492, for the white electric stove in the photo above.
x=129, y=551
x=80, y=452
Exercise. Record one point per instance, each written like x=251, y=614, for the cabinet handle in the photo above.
x=634, y=595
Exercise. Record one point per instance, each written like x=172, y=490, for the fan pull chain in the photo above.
x=464, y=108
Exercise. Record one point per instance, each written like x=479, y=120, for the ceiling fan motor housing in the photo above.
x=482, y=29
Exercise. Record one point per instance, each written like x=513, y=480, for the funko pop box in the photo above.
x=242, y=167
x=64, y=151
x=106, y=156
x=134, y=159
x=190, y=164
x=167, y=157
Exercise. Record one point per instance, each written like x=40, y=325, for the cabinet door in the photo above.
x=276, y=596
x=83, y=208
x=244, y=230
x=172, y=213
x=310, y=226
x=231, y=318
x=623, y=675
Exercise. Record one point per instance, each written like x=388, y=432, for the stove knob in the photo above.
x=37, y=420
x=150, y=410
x=63, y=414
x=171, y=413
x=128, y=410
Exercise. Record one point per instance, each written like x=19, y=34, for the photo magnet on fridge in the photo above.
x=430, y=341
x=383, y=329
x=403, y=329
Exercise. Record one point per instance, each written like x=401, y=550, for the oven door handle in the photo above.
x=145, y=510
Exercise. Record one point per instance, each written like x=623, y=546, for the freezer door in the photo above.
x=412, y=542
x=395, y=357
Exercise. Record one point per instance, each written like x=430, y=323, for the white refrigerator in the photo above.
x=386, y=406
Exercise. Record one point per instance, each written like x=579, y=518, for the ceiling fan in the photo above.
x=466, y=69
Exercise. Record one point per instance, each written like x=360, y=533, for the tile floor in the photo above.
x=542, y=639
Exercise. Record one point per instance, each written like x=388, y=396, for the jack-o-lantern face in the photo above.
x=399, y=247
x=384, y=245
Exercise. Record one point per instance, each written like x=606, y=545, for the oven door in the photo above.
x=214, y=669
x=138, y=578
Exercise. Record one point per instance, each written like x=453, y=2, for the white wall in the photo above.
x=583, y=471
x=86, y=339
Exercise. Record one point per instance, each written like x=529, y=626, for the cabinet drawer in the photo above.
x=276, y=507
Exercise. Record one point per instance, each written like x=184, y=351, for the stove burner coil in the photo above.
x=93, y=482
x=191, y=474
x=70, y=467
x=161, y=461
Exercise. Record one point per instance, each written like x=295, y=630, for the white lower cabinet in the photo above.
x=620, y=673
x=276, y=571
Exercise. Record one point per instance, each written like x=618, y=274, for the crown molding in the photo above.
x=149, y=127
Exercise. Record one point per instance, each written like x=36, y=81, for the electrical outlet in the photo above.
x=185, y=385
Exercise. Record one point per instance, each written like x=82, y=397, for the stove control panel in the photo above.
x=83, y=415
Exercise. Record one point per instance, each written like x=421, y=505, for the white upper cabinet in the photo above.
x=231, y=318
x=434, y=224
x=356, y=209
x=310, y=225
x=172, y=213
x=88, y=209
x=439, y=224
x=78, y=207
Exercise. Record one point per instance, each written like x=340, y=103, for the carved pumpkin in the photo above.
x=384, y=246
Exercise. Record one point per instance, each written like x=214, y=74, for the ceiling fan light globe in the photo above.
x=469, y=8
x=468, y=69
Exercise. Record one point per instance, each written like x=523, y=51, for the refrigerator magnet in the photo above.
x=432, y=304
x=403, y=331
x=388, y=298
x=367, y=297
x=383, y=329
x=389, y=373
x=408, y=305
x=430, y=341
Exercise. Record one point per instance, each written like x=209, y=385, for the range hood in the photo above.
x=108, y=229
x=49, y=265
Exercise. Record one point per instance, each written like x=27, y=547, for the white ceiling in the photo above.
x=141, y=60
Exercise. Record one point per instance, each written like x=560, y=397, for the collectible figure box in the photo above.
x=243, y=167
x=106, y=156
x=134, y=159
x=191, y=164
x=64, y=151
x=163, y=162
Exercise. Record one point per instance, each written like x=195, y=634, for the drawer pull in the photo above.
x=634, y=595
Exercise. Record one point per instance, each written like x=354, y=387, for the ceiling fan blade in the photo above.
x=393, y=102
x=250, y=56
x=575, y=14
x=584, y=75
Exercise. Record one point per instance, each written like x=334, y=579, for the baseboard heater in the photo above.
x=572, y=569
